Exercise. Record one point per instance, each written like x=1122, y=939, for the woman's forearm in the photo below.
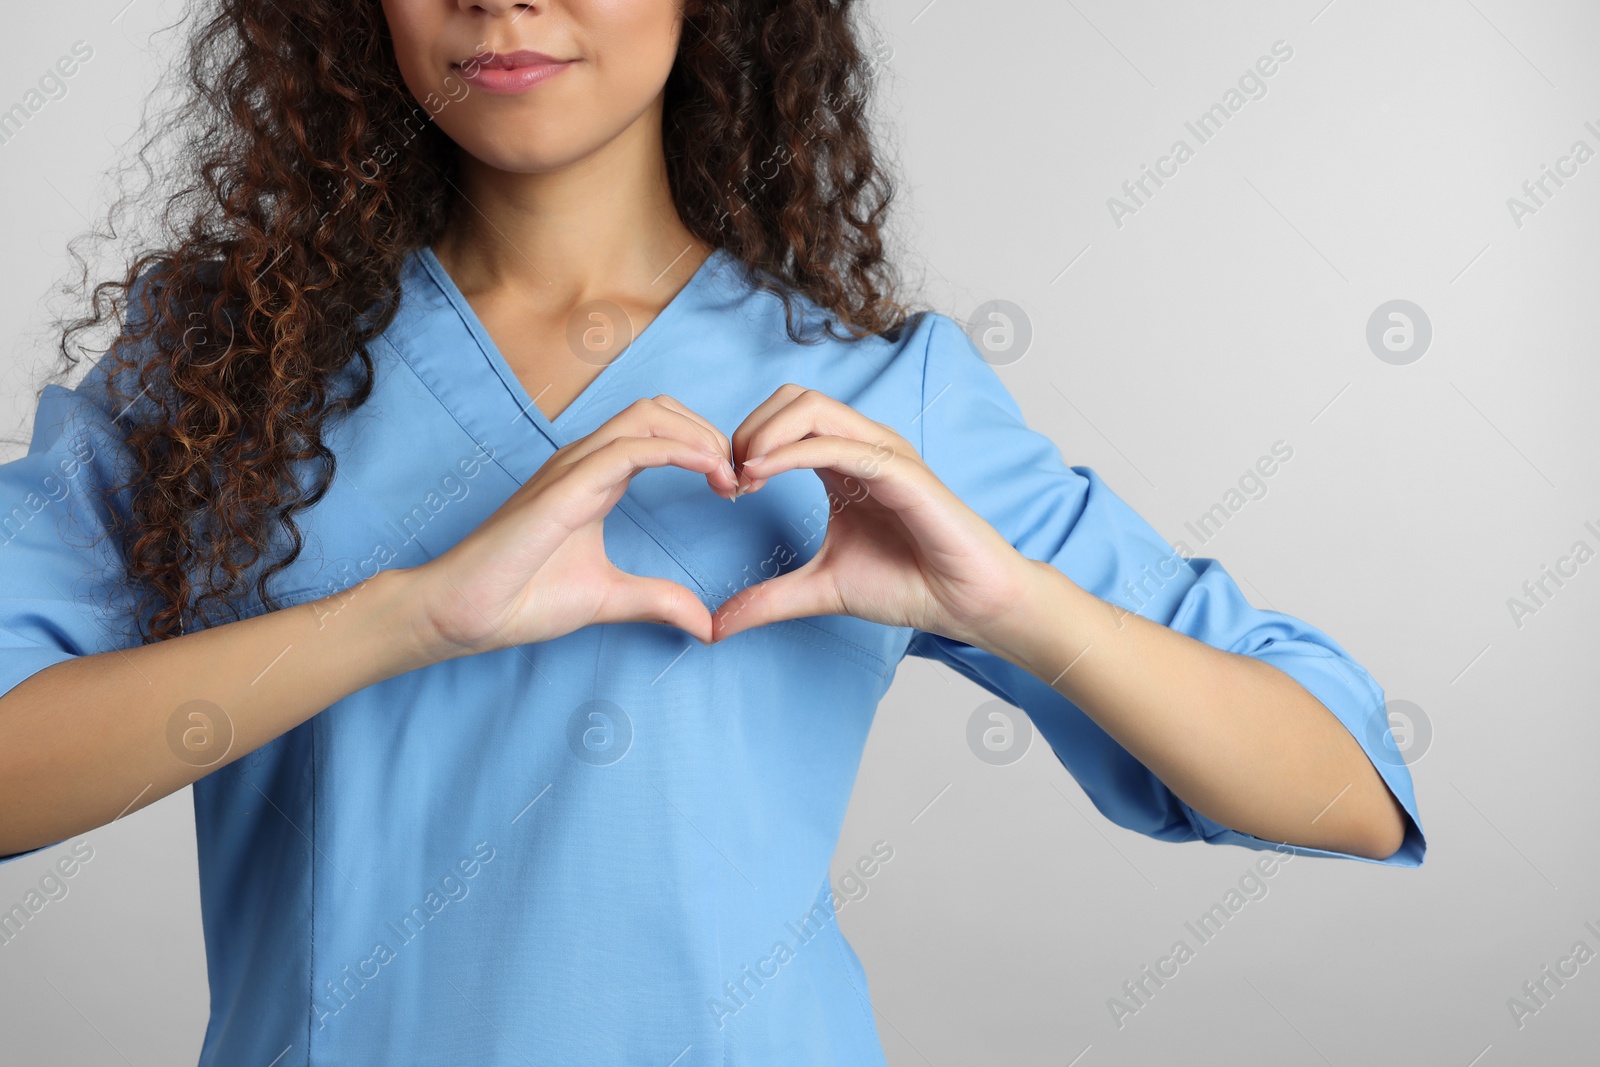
x=1234, y=737
x=87, y=740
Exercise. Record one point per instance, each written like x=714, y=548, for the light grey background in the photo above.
x=1168, y=354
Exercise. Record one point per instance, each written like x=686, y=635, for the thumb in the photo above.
x=793, y=595
x=632, y=598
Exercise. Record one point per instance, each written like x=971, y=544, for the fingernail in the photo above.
x=747, y=481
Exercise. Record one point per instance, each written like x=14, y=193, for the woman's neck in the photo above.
x=601, y=223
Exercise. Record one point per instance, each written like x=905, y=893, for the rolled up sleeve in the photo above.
x=61, y=594
x=973, y=436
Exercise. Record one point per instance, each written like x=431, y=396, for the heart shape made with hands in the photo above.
x=900, y=548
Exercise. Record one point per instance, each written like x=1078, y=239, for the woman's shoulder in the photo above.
x=109, y=393
x=78, y=447
x=751, y=295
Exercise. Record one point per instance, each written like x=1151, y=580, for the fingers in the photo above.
x=793, y=413
x=585, y=490
x=869, y=466
x=660, y=415
x=665, y=418
x=632, y=598
x=721, y=439
x=619, y=459
x=779, y=399
x=797, y=594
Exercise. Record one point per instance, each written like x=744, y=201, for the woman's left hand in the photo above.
x=900, y=548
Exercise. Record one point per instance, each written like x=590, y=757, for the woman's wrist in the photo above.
x=390, y=610
x=1029, y=632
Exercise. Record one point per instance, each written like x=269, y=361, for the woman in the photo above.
x=510, y=743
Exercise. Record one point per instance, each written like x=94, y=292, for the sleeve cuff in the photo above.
x=1357, y=702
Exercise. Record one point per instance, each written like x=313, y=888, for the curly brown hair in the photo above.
x=305, y=175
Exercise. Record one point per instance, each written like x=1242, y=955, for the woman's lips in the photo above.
x=512, y=72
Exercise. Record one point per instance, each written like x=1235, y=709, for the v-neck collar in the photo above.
x=523, y=409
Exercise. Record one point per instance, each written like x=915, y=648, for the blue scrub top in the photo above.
x=613, y=847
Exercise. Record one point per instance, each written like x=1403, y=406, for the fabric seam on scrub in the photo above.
x=311, y=957
x=838, y=646
x=623, y=505
x=474, y=324
x=716, y=927
x=922, y=394
x=844, y=962
x=645, y=522
x=960, y=667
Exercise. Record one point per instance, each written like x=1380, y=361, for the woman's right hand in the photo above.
x=536, y=568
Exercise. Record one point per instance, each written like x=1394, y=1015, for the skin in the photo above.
x=565, y=185
x=568, y=202
x=1235, y=737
